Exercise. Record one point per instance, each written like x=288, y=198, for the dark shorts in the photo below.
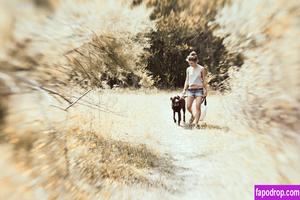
x=195, y=92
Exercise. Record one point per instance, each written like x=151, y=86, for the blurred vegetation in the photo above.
x=3, y=103
x=3, y=110
x=137, y=52
x=105, y=62
x=90, y=53
x=2, y=113
x=181, y=27
x=47, y=4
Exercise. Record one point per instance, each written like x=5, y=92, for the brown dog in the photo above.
x=178, y=104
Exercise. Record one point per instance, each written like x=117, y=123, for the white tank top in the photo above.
x=194, y=75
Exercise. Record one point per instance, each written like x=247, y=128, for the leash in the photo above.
x=204, y=100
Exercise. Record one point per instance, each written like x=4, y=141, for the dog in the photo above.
x=178, y=104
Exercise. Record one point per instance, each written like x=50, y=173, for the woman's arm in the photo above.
x=186, y=85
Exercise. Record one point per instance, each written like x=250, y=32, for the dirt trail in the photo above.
x=216, y=161
x=221, y=161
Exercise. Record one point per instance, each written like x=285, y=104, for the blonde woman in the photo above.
x=195, y=87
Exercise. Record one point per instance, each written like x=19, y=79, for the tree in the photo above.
x=183, y=26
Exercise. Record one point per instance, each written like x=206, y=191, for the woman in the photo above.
x=195, y=86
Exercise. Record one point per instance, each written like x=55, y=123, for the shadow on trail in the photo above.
x=205, y=126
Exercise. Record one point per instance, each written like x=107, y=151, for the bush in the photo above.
x=109, y=60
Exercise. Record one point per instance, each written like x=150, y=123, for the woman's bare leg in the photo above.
x=198, y=109
x=190, y=101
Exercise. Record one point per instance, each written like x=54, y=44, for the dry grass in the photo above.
x=260, y=90
x=116, y=160
x=82, y=163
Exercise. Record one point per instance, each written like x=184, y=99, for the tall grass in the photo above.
x=266, y=89
x=265, y=97
x=79, y=37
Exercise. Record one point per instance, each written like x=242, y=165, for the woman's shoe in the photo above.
x=191, y=126
x=191, y=120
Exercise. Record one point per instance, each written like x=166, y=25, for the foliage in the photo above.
x=2, y=113
x=93, y=43
x=183, y=26
x=107, y=61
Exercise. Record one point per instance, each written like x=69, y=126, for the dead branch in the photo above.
x=77, y=100
x=55, y=93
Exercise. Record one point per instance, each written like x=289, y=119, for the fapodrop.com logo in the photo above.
x=277, y=192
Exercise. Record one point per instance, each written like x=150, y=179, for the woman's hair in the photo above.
x=192, y=57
